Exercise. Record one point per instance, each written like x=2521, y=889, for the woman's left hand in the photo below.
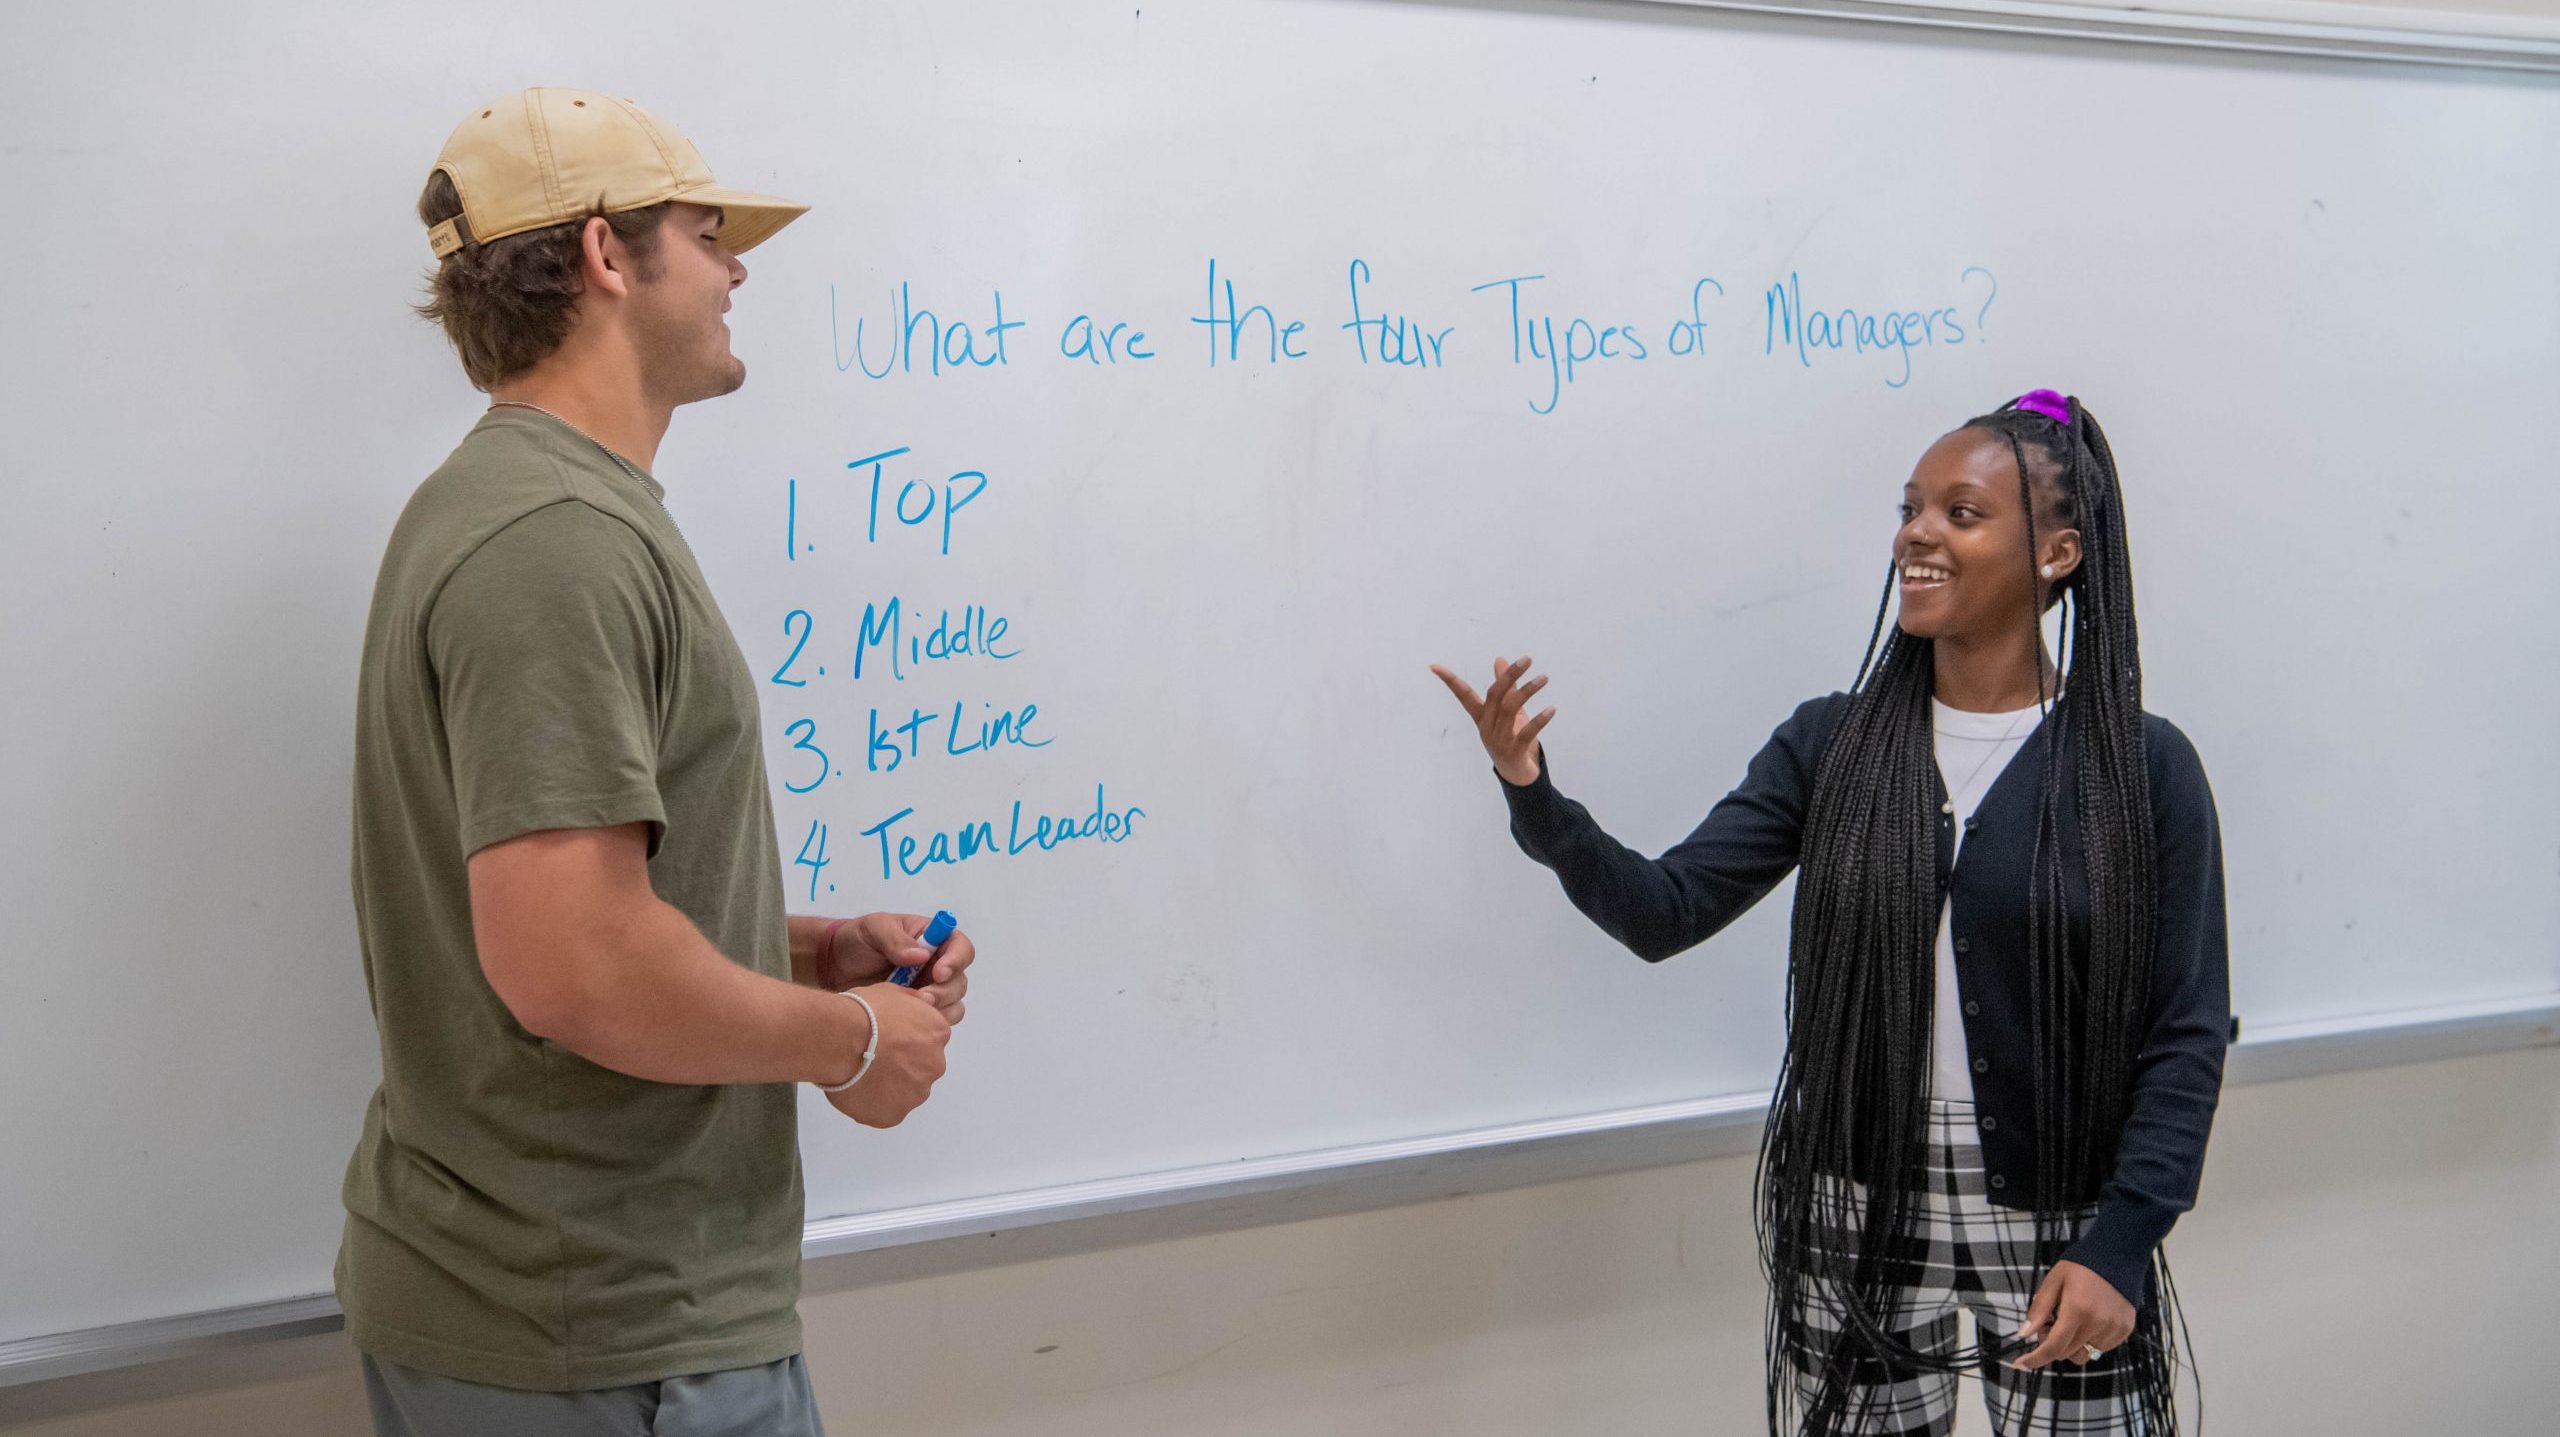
x=2074, y=1310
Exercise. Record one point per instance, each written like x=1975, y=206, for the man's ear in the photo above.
x=604, y=263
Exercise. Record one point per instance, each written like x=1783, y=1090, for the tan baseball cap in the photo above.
x=549, y=157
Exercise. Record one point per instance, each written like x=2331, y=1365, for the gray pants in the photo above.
x=768, y=1401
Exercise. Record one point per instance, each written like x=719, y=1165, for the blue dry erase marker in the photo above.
x=935, y=933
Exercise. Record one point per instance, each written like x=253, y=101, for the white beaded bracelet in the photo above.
x=870, y=1050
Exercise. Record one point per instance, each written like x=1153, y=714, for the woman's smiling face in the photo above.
x=1961, y=553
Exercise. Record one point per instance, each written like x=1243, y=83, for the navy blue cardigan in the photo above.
x=1751, y=840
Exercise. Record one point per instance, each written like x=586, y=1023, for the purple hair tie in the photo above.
x=2047, y=403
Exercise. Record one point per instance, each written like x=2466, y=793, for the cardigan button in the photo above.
x=1998, y=1181
x=1972, y=1009
x=1964, y=945
x=1990, y=1124
x=1982, y=1065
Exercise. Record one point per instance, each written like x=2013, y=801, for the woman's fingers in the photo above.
x=1503, y=699
x=2106, y=1334
x=2042, y=1309
x=2060, y=1343
x=2085, y=1313
x=1497, y=711
x=1464, y=691
x=1511, y=732
x=1520, y=696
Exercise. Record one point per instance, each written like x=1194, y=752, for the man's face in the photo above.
x=676, y=319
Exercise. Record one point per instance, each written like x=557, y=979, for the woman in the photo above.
x=2007, y=990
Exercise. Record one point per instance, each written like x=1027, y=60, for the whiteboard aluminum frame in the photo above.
x=1091, y=1216
x=2322, y=31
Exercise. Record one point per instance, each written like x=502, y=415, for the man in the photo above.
x=576, y=1204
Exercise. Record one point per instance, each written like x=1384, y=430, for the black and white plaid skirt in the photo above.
x=1963, y=1256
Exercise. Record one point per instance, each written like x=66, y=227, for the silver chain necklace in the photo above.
x=1948, y=804
x=624, y=464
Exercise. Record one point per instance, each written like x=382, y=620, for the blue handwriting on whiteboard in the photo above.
x=907, y=853
x=897, y=743
x=1089, y=339
x=1583, y=342
x=925, y=497
x=977, y=633
x=1856, y=331
x=955, y=344
x=1689, y=336
x=1279, y=341
x=1398, y=340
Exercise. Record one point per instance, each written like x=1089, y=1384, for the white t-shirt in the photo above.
x=1972, y=750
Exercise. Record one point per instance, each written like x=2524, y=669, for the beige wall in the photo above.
x=2375, y=1254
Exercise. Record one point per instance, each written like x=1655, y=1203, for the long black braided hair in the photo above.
x=1852, y=1097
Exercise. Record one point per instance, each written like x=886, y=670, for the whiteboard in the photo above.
x=2312, y=303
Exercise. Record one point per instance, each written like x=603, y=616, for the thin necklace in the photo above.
x=1948, y=804
x=625, y=464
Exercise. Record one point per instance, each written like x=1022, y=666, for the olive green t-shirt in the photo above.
x=542, y=653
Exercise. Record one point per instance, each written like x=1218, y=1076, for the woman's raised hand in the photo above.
x=1509, y=734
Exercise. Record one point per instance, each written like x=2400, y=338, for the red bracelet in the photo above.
x=827, y=948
